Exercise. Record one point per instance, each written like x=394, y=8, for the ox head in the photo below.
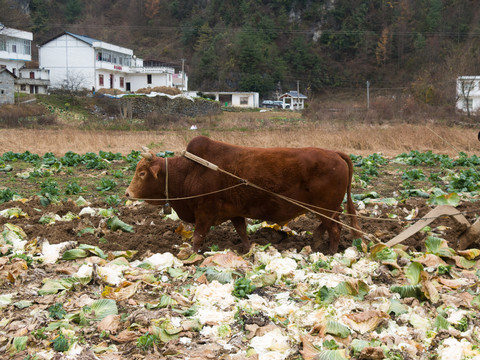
x=149, y=179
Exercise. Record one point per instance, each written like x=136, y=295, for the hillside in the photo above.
x=418, y=47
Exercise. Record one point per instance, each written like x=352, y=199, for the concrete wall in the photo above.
x=7, y=88
x=139, y=80
x=70, y=61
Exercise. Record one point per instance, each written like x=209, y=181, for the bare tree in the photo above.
x=74, y=82
x=465, y=86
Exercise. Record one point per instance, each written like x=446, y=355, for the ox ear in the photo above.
x=155, y=168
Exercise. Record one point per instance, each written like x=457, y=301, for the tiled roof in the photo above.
x=83, y=38
x=294, y=94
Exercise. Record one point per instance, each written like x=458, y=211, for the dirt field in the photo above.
x=286, y=301
x=153, y=234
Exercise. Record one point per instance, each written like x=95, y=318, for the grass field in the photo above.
x=355, y=139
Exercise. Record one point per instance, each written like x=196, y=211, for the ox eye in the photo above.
x=142, y=173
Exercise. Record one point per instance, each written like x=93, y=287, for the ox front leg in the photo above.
x=201, y=230
x=241, y=227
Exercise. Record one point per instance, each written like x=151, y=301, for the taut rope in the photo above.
x=212, y=166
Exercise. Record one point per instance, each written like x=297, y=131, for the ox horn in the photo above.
x=146, y=154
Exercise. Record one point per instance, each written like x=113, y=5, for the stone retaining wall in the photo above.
x=141, y=106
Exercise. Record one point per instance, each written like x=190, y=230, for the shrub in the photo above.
x=16, y=116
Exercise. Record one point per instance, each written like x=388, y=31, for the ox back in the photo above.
x=313, y=176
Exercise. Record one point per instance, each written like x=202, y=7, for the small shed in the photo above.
x=293, y=100
x=7, y=87
x=239, y=99
x=468, y=94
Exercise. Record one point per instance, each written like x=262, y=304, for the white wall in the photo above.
x=471, y=89
x=21, y=39
x=13, y=65
x=68, y=58
x=139, y=80
x=106, y=79
x=67, y=55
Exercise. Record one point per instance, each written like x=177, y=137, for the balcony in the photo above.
x=15, y=56
x=28, y=81
x=153, y=70
x=113, y=67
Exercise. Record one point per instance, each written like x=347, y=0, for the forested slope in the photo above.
x=417, y=45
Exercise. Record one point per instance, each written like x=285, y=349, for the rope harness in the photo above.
x=167, y=209
x=244, y=182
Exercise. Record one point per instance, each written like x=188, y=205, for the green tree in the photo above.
x=434, y=15
x=73, y=9
x=304, y=63
x=40, y=15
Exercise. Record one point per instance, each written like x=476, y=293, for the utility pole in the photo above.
x=298, y=94
x=183, y=75
x=368, y=94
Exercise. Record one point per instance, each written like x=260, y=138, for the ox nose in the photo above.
x=127, y=193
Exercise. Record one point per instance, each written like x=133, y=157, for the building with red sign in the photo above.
x=80, y=62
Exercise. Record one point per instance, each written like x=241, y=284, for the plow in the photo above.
x=468, y=237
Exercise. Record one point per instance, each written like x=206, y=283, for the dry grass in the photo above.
x=160, y=89
x=110, y=91
x=355, y=139
x=27, y=115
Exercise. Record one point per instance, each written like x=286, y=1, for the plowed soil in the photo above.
x=154, y=234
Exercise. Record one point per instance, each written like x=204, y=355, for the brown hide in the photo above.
x=311, y=175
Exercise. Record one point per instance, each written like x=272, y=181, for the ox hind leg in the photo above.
x=241, y=227
x=333, y=230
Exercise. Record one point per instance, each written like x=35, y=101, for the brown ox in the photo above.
x=310, y=175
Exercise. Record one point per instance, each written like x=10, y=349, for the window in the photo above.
x=121, y=81
x=243, y=100
x=467, y=85
x=3, y=44
x=149, y=78
x=32, y=75
x=23, y=87
x=26, y=47
x=100, y=79
x=14, y=48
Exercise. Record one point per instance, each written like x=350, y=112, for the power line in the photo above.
x=277, y=30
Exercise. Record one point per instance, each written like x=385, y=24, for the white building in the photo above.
x=239, y=99
x=293, y=100
x=15, y=52
x=15, y=48
x=33, y=81
x=80, y=62
x=180, y=81
x=468, y=93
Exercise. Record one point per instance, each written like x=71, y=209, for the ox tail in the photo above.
x=350, y=206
